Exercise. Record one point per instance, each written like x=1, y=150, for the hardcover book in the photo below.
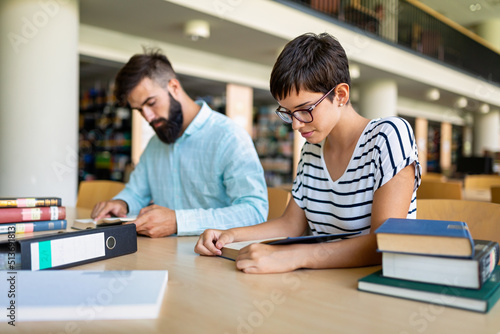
x=17, y=215
x=479, y=300
x=36, y=226
x=231, y=251
x=421, y=236
x=29, y=202
x=461, y=272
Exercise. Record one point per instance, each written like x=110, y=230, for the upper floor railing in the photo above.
x=408, y=24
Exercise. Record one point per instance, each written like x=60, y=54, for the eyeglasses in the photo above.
x=302, y=115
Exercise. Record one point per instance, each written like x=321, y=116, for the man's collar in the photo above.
x=200, y=118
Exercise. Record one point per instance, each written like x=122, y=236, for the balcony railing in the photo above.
x=402, y=23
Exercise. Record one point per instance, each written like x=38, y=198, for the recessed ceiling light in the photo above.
x=432, y=94
x=484, y=108
x=461, y=102
x=197, y=29
x=475, y=7
x=354, y=71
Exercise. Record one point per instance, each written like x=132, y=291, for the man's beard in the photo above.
x=168, y=130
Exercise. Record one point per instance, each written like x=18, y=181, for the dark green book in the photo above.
x=479, y=300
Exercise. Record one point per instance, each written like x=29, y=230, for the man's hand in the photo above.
x=156, y=221
x=114, y=208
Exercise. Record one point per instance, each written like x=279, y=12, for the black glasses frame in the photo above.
x=286, y=116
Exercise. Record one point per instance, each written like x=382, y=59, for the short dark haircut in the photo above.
x=311, y=62
x=152, y=64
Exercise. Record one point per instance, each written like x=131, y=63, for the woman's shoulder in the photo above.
x=391, y=122
x=389, y=126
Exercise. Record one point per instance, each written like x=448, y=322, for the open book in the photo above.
x=83, y=224
x=230, y=251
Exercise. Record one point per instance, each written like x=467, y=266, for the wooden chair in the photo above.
x=495, y=194
x=278, y=200
x=482, y=181
x=434, y=177
x=435, y=189
x=481, y=217
x=92, y=192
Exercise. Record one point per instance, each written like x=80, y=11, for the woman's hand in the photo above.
x=212, y=241
x=261, y=259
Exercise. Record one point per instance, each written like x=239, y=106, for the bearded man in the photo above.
x=199, y=171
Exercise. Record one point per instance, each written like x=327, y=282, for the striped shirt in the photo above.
x=386, y=146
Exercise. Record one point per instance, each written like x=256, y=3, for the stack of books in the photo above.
x=23, y=215
x=58, y=250
x=435, y=261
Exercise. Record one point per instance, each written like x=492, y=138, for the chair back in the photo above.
x=495, y=194
x=481, y=181
x=437, y=189
x=481, y=217
x=434, y=177
x=92, y=192
x=278, y=200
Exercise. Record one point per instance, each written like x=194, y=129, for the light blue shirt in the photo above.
x=211, y=176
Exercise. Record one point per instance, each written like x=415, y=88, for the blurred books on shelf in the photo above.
x=274, y=145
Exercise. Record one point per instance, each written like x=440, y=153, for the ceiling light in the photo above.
x=197, y=29
x=475, y=7
x=354, y=71
x=461, y=102
x=484, y=108
x=432, y=94
x=354, y=94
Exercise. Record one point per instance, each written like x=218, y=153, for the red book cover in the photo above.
x=17, y=215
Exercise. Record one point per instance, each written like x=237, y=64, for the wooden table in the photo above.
x=209, y=295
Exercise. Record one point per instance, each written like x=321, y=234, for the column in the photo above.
x=378, y=98
x=486, y=130
x=39, y=98
x=445, y=153
x=239, y=105
x=421, y=131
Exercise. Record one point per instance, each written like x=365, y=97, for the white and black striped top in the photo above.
x=386, y=146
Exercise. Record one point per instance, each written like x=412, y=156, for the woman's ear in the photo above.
x=342, y=94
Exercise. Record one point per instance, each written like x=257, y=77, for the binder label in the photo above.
x=45, y=254
x=58, y=252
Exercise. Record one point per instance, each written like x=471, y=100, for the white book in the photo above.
x=62, y=295
x=85, y=223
